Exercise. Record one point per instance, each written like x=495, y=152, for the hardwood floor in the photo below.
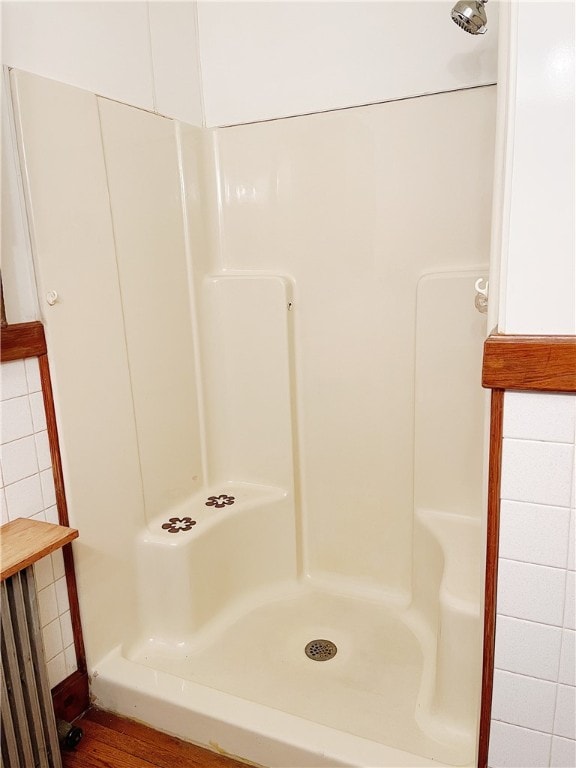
x=115, y=742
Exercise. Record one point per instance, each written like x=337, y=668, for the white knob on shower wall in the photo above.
x=52, y=297
x=481, y=298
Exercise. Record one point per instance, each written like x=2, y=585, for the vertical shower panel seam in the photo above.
x=194, y=291
x=122, y=309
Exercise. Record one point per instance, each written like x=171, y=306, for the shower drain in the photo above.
x=320, y=650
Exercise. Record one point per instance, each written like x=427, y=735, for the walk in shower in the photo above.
x=266, y=355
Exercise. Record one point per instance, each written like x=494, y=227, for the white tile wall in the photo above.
x=55, y=618
x=27, y=490
x=534, y=682
x=563, y=752
x=531, y=592
x=565, y=717
x=521, y=527
x=537, y=471
x=528, y=648
x=567, y=672
x=533, y=416
x=570, y=601
x=517, y=747
x=525, y=701
x=19, y=459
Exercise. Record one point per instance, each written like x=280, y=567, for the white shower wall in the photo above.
x=274, y=266
x=143, y=176
x=356, y=206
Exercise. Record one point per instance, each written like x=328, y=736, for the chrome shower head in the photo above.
x=470, y=16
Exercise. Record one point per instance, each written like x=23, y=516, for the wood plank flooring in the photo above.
x=115, y=742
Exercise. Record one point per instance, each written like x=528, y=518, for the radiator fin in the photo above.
x=29, y=736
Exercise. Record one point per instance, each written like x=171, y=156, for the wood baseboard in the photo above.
x=71, y=697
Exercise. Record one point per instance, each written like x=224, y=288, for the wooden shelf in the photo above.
x=23, y=542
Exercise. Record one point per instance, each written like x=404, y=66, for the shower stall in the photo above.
x=266, y=354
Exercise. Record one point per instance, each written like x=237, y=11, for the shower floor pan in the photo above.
x=247, y=688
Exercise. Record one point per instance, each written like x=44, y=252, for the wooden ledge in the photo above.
x=23, y=542
x=22, y=340
x=540, y=363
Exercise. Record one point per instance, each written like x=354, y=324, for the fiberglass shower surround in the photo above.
x=288, y=450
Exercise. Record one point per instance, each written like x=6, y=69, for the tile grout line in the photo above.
x=524, y=727
x=559, y=659
x=539, y=503
x=536, y=565
x=536, y=504
x=531, y=621
x=539, y=441
x=533, y=677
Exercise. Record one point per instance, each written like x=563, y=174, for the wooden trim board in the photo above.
x=493, y=532
x=542, y=363
x=62, y=507
x=22, y=340
x=23, y=542
x=71, y=697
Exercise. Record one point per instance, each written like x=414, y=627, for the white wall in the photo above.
x=538, y=292
x=17, y=268
x=144, y=54
x=248, y=61
x=175, y=60
x=263, y=60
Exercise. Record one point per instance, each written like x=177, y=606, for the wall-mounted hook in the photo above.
x=52, y=297
x=481, y=298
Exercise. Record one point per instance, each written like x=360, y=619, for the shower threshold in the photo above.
x=249, y=690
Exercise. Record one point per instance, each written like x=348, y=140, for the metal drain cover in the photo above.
x=320, y=650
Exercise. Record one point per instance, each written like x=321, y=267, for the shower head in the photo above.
x=470, y=16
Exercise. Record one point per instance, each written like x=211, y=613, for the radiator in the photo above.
x=29, y=737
